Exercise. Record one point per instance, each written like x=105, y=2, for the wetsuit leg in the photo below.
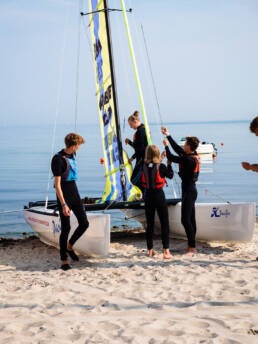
x=150, y=215
x=65, y=230
x=188, y=215
x=136, y=178
x=162, y=210
x=83, y=222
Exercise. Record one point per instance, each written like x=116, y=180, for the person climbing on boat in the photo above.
x=153, y=180
x=189, y=168
x=139, y=144
x=64, y=169
x=246, y=165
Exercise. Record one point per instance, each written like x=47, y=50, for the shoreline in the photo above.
x=128, y=297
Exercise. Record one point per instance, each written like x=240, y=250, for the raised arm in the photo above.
x=179, y=150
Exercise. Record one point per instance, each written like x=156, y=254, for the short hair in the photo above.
x=152, y=154
x=254, y=125
x=73, y=139
x=134, y=117
x=193, y=142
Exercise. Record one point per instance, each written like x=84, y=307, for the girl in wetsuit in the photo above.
x=153, y=180
x=139, y=144
x=189, y=167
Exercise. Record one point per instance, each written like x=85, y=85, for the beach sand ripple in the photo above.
x=128, y=297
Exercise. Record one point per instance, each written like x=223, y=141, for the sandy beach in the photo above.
x=129, y=297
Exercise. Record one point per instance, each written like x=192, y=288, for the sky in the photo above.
x=204, y=59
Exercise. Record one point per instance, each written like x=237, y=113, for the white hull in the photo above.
x=95, y=241
x=203, y=148
x=215, y=221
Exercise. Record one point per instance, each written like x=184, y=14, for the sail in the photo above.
x=118, y=170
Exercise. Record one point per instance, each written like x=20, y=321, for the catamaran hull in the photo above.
x=215, y=221
x=95, y=241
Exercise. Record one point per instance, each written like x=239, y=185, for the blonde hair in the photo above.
x=134, y=117
x=73, y=139
x=152, y=154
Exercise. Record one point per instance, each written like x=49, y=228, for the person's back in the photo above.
x=153, y=180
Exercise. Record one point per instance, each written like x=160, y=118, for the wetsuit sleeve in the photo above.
x=173, y=158
x=179, y=150
x=131, y=143
x=57, y=166
x=166, y=171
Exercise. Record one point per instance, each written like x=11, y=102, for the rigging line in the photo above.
x=77, y=66
x=152, y=77
x=59, y=91
x=214, y=194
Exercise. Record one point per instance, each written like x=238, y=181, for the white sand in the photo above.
x=128, y=297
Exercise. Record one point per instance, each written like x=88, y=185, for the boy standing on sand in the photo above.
x=246, y=165
x=189, y=167
x=64, y=169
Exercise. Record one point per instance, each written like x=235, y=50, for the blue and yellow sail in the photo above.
x=117, y=169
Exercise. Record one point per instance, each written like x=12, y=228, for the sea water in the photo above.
x=27, y=151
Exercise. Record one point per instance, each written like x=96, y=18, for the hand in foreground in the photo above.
x=127, y=141
x=130, y=160
x=165, y=142
x=66, y=210
x=163, y=155
x=164, y=131
x=246, y=166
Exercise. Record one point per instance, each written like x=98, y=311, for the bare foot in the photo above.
x=190, y=251
x=167, y=254
x=151, y=253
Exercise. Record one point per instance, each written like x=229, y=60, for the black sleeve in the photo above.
x=58, y=165
x=166, y=171
x=179, y=150
x=173, y=158
x=131, y=143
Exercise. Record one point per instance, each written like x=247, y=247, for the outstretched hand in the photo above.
x=165, y=142
x=246, y=166
x=163, y=155
x=164, y=131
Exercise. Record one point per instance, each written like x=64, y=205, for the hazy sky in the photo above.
x=204, y=57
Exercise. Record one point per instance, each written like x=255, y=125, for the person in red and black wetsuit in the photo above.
x=64, y=169
x=153, y=180
x=189, y=168
x=139, y=144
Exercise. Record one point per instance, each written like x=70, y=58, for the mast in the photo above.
x=136, y=73
x=117, y=119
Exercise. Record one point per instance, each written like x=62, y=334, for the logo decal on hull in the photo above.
x=216, y=212
x=56, y=227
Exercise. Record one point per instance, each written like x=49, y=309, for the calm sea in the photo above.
x=26, y=155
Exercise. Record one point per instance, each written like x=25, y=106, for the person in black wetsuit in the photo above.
x=64, y=169
x=246, y=165
x=189, y=167
x=153, y=180
x=139, y=144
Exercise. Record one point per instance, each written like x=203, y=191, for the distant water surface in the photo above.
x=26, y=157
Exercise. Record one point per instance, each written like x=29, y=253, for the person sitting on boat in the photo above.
x=64, y=169
x=139, y=144
x=189, y=168
x=153, y=180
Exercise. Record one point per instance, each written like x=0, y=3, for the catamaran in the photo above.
x=215, y=221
